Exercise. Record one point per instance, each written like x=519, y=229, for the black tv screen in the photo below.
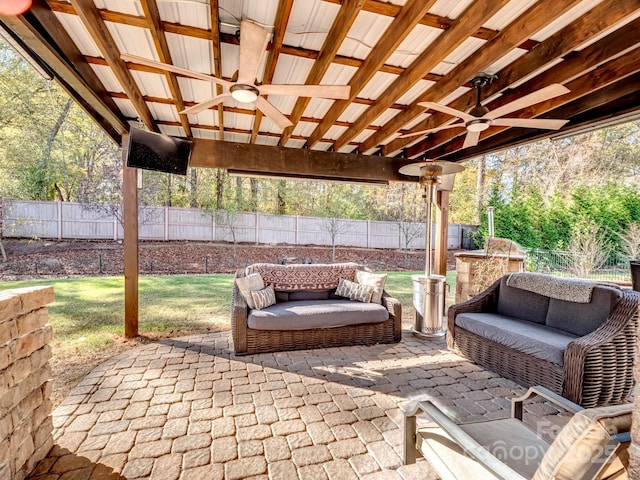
x=154, y=151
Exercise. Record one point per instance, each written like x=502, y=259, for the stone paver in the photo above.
x=189, y=409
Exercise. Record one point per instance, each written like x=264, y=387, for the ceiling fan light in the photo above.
x=479, y=125
x=244, y=93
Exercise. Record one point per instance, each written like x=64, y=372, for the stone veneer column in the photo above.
x=25, y=380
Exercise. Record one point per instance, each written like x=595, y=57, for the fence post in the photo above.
x=213, y=227
x=166, y=222
x=115, y=227
x=296, y=233
x=368, y=233
x=257, y=228
x=59, y=219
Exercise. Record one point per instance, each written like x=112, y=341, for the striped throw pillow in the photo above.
x=264, y=298
x=354, y=291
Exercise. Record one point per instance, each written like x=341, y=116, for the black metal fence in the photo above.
x=556, y=262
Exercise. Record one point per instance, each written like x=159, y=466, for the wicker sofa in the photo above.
x=535, y=330
x=302, y=290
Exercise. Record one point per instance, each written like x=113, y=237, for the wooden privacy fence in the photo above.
x=69, y=220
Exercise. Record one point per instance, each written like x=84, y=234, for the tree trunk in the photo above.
x=239, y=194
x=44, y=164
x=168, y=200
x=480, y=185
x=254, y=194
x=281, y=200
x=219, y=189
x=193, y=188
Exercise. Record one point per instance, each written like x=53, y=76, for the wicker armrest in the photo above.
x=486, y=301
x=604, y=357
x=394, y=307
x=239, y=314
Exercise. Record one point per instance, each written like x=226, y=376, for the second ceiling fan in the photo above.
x=480, y=118
x=246, y=89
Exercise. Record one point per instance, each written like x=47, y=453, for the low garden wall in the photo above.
x=25, y=380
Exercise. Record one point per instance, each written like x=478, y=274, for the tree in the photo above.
x=588, y=250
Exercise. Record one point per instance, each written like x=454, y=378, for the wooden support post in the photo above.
x=130, y=214
x=442, y=228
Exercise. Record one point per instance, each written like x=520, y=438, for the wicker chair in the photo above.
x=247, y=341
x=597, y=367
x=593, y=445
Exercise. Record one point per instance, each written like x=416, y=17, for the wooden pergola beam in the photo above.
x=293, y=163
x=152, y=14
x=339, y=30
x=472, y=19
x=535, y=18
x=280, y=28
x=131, y=258
x=396, y=32
x=217, y=59
x=99, y=32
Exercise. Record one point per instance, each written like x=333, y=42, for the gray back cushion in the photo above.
x=583, y=318
x=309, y=295
x=517, y=303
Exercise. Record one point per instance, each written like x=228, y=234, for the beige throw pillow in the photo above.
x=264, y=298
x=375, y=280
x=247, y=284
x=354, y=291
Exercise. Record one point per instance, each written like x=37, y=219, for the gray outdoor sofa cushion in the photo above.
x=517, y=303
x=537, y=340
x=583, y=318
x=307, y=314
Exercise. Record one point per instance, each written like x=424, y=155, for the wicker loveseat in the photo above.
x=536, y=330
x=293, y=323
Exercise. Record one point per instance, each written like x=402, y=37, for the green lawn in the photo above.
x=88, y=312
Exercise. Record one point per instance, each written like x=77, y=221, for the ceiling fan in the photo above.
x=253, y=44
x=481, y=118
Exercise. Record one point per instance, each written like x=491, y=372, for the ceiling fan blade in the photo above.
x=431, y=130
x=202, y=106
x=448, y=110
x=545, y=123
x=552, y=91
x=253, y=44
x=471, y=140
x=272, y=112
x=337, y=92
x=172, y=68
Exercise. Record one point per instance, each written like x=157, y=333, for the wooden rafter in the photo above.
x=470, y=20
x=100, y=34
x=591, y=80
x=279, y=29
x=534, y=19
x=580, y=63
x=556, y=46
x=396, y=32
x=604, y=104
x=150, y=8
x=343, y=22
x=217, y=60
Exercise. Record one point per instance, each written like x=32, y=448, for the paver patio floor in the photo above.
x=190, y=409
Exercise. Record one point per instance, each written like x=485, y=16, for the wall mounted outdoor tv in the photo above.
x=154, y=151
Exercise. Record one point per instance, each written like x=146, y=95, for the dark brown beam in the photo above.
x=283, y=161
x=130, y=225
x=558, y=45
x=535, y=18
x=472, y=19
x=99, y=33
x=339, y=30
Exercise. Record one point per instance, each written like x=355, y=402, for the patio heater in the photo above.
x=428, y=289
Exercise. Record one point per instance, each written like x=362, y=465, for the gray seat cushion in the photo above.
x=539, y=341
x=307, y=314
x=583, y=318
x=518, y=303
